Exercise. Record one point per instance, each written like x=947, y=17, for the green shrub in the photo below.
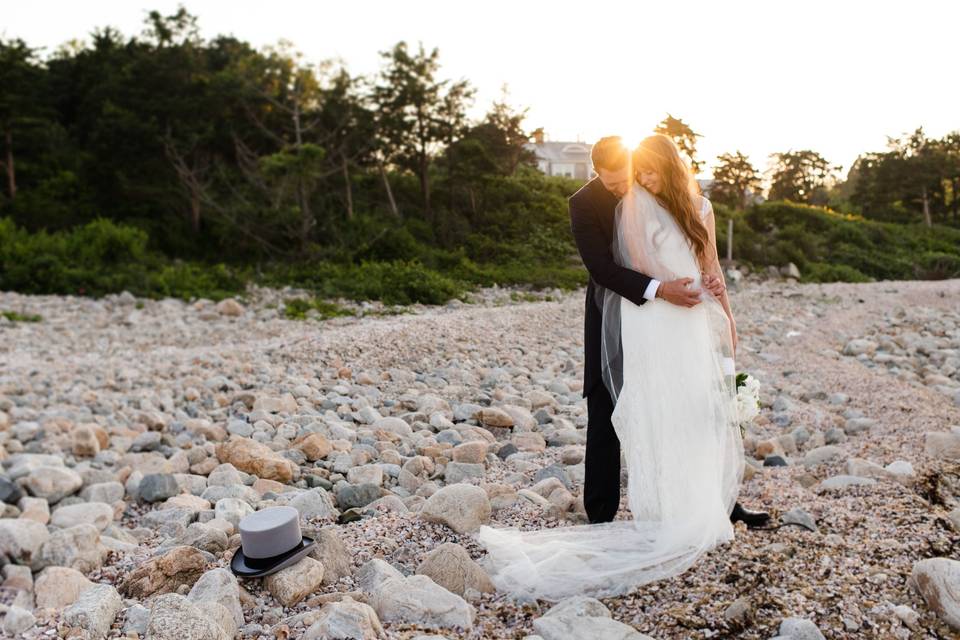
x=190, y=280
x=395, y=282
x=103, y=257
x=297, y=309
x=15, y=316
x=938, y=266
x=821, y=272
x=829, y=246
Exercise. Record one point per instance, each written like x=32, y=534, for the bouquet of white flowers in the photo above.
x=748, y=400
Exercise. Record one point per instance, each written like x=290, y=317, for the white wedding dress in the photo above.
x=675, y=416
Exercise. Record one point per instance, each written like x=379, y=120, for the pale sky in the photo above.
x=833, y=76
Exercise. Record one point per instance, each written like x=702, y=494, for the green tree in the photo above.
x=684, y=137
x=801, y=176
x=20, y=78
x=916, y=177
x=923, y=164
x=418, y=113
x=496, y=146
x=735, y=180
x=348, y=124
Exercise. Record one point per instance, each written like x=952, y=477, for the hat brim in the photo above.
x=244, y=567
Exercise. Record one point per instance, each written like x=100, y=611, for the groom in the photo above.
x=592, y=221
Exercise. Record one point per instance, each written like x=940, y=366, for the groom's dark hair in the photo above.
x=609, y=153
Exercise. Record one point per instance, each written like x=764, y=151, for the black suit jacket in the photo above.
x=592, y=211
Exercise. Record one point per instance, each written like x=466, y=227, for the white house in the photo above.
x=570, y=159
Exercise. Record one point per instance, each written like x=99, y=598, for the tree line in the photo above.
x=221, y=151
x=214, y=143
x=916, y=179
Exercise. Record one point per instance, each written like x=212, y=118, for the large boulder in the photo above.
x=450, y=566
x=53, y=483
x=315, y=447
x=420, y=600
x=21, y=539
x=256, y=458
x=179, y=567
x=799, y=629
x=174, y=617
x=59, y=587
x=938, y=581
x=346, y=619
x=294, y=583
x=220, y=586
x=98, y=514
x=583, y=617
x=78, y=547
x=95, y=610
x=462, y=507
x=943, y=445
x=332, y=554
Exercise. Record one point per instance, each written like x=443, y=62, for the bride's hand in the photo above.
x=712, y=283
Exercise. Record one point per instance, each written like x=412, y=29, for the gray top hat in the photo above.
x=270, y=540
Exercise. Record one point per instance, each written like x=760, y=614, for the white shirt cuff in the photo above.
x=651, y=291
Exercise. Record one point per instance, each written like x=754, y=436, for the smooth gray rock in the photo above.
x=352, y=496
x=800, y=517
x=77, y=547
x=800, y=629
x=938, y=581
x=346, y=619
x=219, y=585
x=174, y=617
x=106, y=492
x=98, y=514
x=156, y=487
x=135, y=620
x=583, y=617
x=53, y=483
x=17, y=620
x=456, y=472
x=21, y=539
x=95, y=610
x=420, y=600
x=844, y=481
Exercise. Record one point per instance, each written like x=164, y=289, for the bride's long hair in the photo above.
x=679, y=188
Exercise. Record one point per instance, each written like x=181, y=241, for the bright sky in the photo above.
x=834, y=76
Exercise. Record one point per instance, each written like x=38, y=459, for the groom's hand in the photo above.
x=678, y=292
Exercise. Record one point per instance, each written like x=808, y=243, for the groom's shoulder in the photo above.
x=585, y=193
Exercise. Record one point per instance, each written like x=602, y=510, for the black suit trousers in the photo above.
x=601, y=485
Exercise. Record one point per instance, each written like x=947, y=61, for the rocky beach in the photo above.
x=135, y=434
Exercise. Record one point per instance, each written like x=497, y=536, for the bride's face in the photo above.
x=650, y=180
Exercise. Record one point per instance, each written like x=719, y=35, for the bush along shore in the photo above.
x=809, y=244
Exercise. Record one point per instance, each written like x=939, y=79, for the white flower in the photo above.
x=748, y=400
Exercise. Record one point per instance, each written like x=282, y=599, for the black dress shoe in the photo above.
x=752, y=519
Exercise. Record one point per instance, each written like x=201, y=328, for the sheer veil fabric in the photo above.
x=670, y=371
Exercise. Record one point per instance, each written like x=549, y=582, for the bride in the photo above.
x=675, y=411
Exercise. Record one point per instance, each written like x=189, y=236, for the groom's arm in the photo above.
x=597, y=258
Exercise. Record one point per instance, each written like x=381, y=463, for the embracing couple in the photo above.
x=660, y=383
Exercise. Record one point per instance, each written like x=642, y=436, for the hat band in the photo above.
x=265, y=563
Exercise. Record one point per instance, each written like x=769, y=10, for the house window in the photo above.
x=575, y=148
x=563, y=169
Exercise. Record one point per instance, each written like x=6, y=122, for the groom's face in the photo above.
x=616, y=182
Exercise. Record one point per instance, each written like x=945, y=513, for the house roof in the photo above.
x=561, y=151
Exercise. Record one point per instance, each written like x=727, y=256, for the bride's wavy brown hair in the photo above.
x=679, y=189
